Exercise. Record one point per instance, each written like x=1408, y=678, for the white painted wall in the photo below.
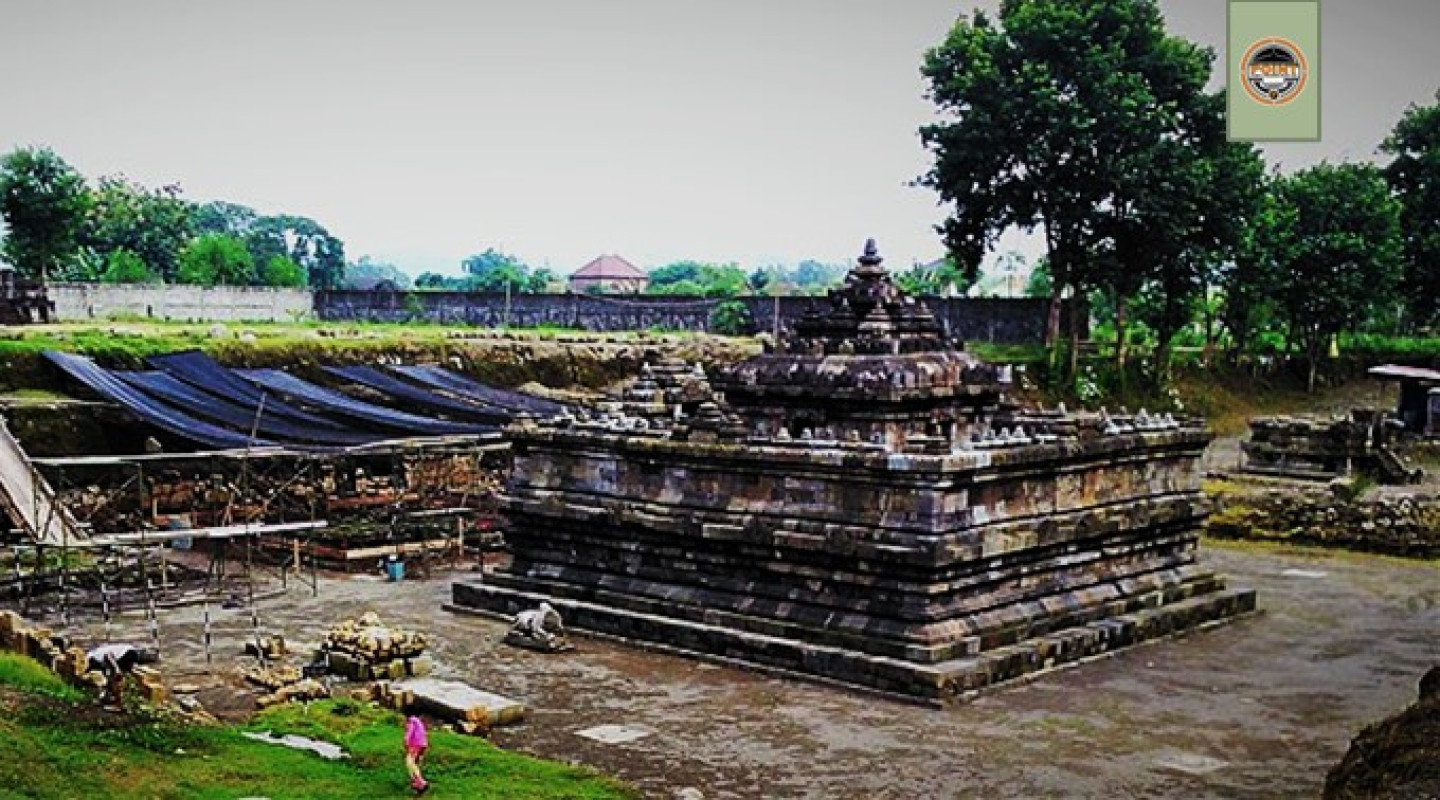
x=99, y=301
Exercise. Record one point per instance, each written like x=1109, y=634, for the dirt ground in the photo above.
x=1259, y=708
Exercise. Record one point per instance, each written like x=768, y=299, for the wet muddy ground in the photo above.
x=1259, y=708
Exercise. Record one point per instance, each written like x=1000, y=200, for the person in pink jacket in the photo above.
x=416, y=742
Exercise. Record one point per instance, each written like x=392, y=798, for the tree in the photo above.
x=698, y=278
x=302, y=240
x=1250, y=283
x=1192, y=220
x=320, y=255
x=494, y=271
x=216, y=259
x=731, y=318
x=1414, y=174
x=539, y=281
x=367, y=272
x=939, y=278
x=758, y=280
x=1039, y=283
x=153, y=224
x=814, y=277
x=1330, y=240
x=1069, y=115
x=282, y=271
x=671, y=274
x=219, y=216
x=123, y=266
x=43, y=202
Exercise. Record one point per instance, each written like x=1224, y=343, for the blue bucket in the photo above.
x=395, y=569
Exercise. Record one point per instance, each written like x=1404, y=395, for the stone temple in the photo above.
x=861, y=504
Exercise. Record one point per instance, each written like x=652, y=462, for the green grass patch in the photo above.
x=28, y=675
x=64, y=747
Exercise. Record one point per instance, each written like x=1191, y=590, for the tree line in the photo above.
x=496, y=271
x=62, y=227
x=1086, y=121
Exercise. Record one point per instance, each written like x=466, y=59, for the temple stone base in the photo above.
x=725, y=637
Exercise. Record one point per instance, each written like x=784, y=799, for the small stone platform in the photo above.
x=458, y=702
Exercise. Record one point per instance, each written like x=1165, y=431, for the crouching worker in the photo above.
x=416, y=742
x=114, y=661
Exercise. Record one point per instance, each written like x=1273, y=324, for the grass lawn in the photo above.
x=54, y=743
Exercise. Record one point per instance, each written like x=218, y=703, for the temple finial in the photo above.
x=871, y=256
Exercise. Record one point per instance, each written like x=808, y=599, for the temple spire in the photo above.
x=870, y=261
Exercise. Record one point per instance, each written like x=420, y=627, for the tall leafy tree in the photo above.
x=43, y=202
x=216, y=259
x=1331, y=240
x=153, y=224
x=1414, y=174
x=302, y=240
x=494, y=271
x=367, y=272
x=1194, y=218
x=1073, y=116
x=218, y=216
x=320, y=255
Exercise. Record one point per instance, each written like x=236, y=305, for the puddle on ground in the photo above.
x=322, y=749
x=615, y=734
x=1190, y=763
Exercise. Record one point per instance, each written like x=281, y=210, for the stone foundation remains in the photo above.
x=1321, y=448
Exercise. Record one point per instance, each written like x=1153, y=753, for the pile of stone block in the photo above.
x=366, y=649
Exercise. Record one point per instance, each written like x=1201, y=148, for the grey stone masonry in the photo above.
x=863, y=505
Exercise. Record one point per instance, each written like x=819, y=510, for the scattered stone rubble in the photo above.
x=286, y=684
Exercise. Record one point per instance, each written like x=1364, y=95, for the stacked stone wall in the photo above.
x=1407, y=526
x=1008, y=320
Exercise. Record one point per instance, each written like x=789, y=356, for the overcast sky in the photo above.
x=419, y=132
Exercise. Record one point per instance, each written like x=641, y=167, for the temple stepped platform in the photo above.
x=716, y=636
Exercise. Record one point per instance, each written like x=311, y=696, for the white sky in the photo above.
x=419, y=132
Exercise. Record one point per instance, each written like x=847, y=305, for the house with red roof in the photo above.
x=609, y=274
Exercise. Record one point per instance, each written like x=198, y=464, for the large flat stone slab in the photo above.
x=461, y=702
